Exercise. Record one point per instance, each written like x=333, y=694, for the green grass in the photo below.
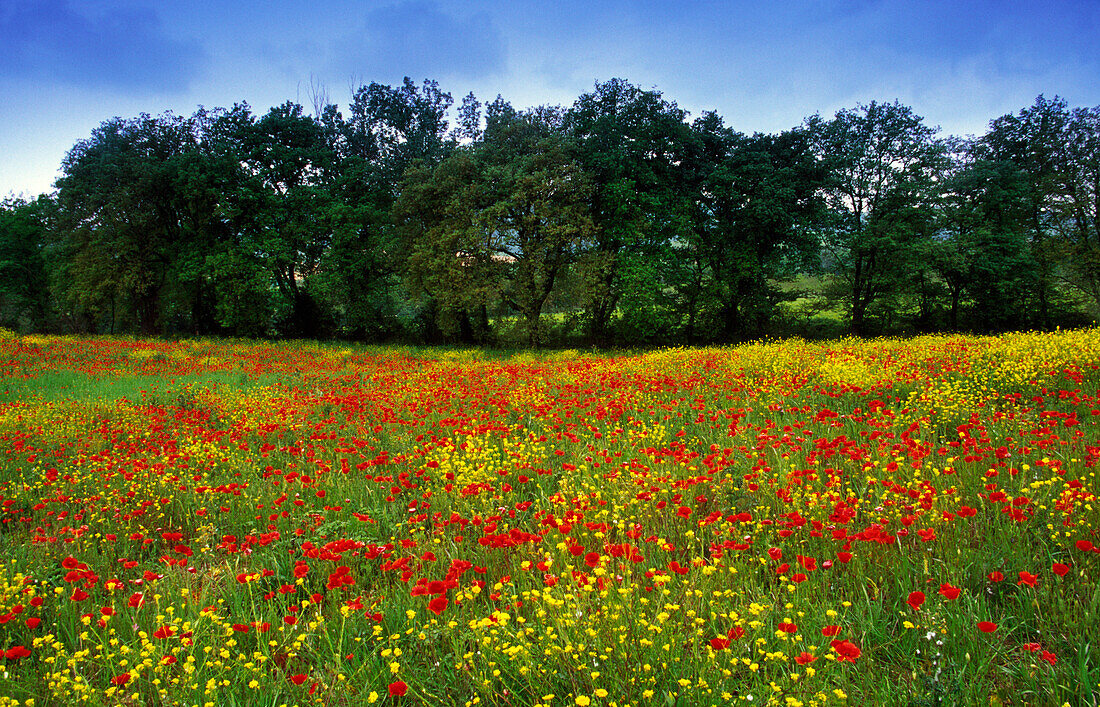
x=77, y=386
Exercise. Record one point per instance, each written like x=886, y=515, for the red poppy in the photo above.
x=1059, y=569
x=803, y=658
x=297, y=679
x=719, y=644
x=735, y=632
x=829, y=631
x=846, y=651
x=1085, y=545
x=996, y=576
x=1027, y=578
x=17, y=652
x=788, y=627
x=678, y=568
x=398, y=689
x=592, y=559
x=915, y=600
x=120, y=680
x=136, y=599
x=165, y=631
x=987, y=626
x=949, y=592
x=437, y=605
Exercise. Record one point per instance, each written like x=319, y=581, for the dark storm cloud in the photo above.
x=418, y=39
x=124, y=48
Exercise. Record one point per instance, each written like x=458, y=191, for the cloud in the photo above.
x=419, y=40
x=767, y=66
x=124, y=48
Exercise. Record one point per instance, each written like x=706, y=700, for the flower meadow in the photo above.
x=785, y=523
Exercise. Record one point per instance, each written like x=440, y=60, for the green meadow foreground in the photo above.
x=897, y=522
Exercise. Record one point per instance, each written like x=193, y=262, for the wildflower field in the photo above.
x=909, y=522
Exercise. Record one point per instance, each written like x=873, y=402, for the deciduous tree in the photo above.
x=883, y=164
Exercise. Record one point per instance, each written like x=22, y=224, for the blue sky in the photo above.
x=68, y=65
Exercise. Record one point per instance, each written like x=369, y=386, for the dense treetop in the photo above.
x=620, y=219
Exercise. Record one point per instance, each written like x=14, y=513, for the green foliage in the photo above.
x=754, y=224
x=23, y=294
x=537, y=218
x=118, y=220
x=448, y=261
x=984, y=251
x=635, y=144
x=614, y=221
x=883, y=163
x=1058, y=152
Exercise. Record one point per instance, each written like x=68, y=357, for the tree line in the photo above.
x=617, y=220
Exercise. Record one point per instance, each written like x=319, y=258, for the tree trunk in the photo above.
x=859, y=310
x=731, y=320
x=597, y=325
x=602, y=305
x=955, y=292
x=689, y=333
x=533, y=316
x=306, y=316
x=483, y=332
x=430, y=316
x=147, y=307
x=858, y=304
x=465, y=329
x=1042, y=281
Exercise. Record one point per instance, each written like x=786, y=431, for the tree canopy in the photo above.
x=619, y=219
